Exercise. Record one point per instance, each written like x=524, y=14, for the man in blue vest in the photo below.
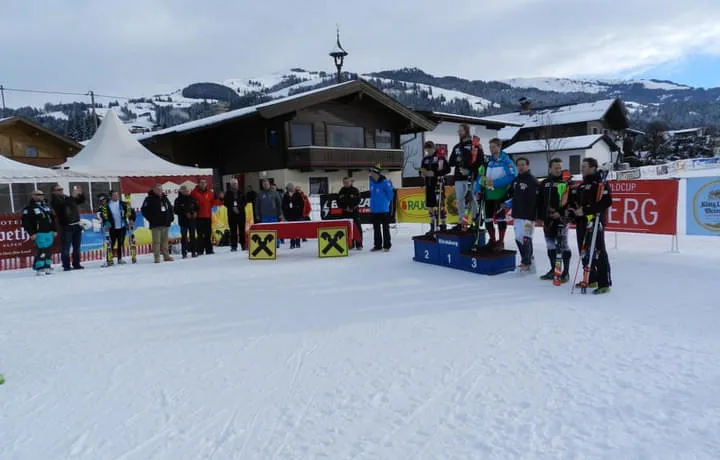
x=381, y=198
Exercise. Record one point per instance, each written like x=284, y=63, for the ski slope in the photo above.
x=369, y=357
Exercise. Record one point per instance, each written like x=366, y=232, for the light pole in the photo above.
x=338, y=54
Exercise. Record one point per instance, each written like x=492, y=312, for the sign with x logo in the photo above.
x=263, y=245
x=332, y=242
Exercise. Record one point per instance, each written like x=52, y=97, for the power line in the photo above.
x=62, y=93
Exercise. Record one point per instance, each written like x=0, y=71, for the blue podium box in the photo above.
x=451, y=245
x=487, y=262
x=426, y=250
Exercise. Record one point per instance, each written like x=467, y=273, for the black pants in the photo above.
x=600, y=266
x=237, y=231
x=381, y=221
x=204, y=236
x=117, y=236
x=71, y=236
x=188, y=238
x=355, y=216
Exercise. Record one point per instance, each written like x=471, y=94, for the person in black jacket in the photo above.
x=348, y=201
x=591, y=200
x=433, y=168
x=39, y=223
x=186, y=208
x=235, y=204
x=524, y=191
x=117, y=216
x=553, y=213
x=67, y=218
x=466, y=168
x=158, y=211
x=292, y=206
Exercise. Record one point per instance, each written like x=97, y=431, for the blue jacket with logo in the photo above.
x=381, y=195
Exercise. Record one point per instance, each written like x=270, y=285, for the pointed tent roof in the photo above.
x=114, y=151
x=11, y=169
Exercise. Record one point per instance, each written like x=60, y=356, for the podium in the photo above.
x=454, y=250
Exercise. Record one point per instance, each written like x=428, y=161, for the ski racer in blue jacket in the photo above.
x=491, y=185
x=381, y=198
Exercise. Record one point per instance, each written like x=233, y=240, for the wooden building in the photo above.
x=27, y=142
x=312, y=139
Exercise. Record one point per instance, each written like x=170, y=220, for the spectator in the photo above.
x=235, y=204
x=186, y=209
x=268, y=205
x=158, y=211
x=116, y=217
x=381, y=198
x=205, y=199
x=39, y=223
x=250, y=197
x=307, y=207
x=292, y=205
x=275, y=190
x=349, y=202
x=67, y=218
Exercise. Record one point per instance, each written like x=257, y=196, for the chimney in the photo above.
x=525, y=105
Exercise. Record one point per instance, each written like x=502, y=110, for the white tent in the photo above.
x=12, y=171
x=114, y=152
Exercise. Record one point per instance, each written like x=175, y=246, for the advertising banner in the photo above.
x=644, y=206
x=329, y=208
x=411, y=205
x=14, y=240
x=703, y=206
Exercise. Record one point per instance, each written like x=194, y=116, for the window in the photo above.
x=319, y=185
x=21, y=194
x=47, y=188
x=383, y=139
x=97, y=188
x=5, y=205
x=345, y=136
x=574, y=164
x=595, y=131
x=31, y=151
x=272, y=138
x=84, y=186
x=301, y=134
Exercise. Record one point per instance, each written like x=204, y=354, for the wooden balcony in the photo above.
x=343, y=158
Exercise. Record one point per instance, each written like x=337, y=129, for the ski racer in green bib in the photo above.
x=491, y=186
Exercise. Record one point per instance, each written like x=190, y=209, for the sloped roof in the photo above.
x=114, y=152
x=11, y=169
x=558, y=144
x=21, y=120
x=469, y=119
x=295, y=102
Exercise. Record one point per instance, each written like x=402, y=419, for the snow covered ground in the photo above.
x=369, y=357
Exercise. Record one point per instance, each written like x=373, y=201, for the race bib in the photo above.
x=235, y=204
x=162, y=209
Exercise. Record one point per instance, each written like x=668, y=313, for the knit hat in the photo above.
x=102, y=197
x=376, y=169
x=429, y=145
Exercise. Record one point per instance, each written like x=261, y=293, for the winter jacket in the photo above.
x=553, y=197
x=462, y=159
x=127, y=215
x=157, y=210
x=502, y=171
x=307, y=207
x=348, y=197
x=524, y=192
x=37, y=217
x=235, y=199
x=292, y=206
x=591, y=199
x=381, y=195
x=205, y=201
x=439, y=166
x=268, y=204
x=186, y=209
x=66, y=209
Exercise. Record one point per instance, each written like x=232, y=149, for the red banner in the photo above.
x=170, y=184
x=644, y=206
x=14, y=240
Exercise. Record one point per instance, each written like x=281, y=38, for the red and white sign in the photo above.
x=14, y=240
x=643, y=206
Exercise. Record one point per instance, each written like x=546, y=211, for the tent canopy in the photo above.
x=11, y=169
x=113, y=151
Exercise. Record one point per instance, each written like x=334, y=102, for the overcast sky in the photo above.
x=141, y=47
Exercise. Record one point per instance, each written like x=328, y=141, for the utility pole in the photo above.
x=92, y=101
x=2, y=94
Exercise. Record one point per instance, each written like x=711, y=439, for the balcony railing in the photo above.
x=340, y=157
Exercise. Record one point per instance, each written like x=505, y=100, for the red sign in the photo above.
x=644, y=206
x=14, y=240
x=170, y=184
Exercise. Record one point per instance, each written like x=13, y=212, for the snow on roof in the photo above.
x=11, y=169
x=566, y=114
x=114, y=152
x=683, y=131
x=564, y=143
x=232, y=114
x=473, y=119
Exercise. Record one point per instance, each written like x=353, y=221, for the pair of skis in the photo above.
x=109, y=256
x=593, y=226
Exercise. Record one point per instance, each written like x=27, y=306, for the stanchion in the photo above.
x=616, y=240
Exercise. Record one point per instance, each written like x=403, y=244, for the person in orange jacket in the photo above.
x=205, y=199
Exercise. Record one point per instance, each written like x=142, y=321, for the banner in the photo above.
x=411, y=205
x=14, y=240
x=329, y=208
x=703, y=206
x=644, y=206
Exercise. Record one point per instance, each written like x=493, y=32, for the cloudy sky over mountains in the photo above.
x=139, y=47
